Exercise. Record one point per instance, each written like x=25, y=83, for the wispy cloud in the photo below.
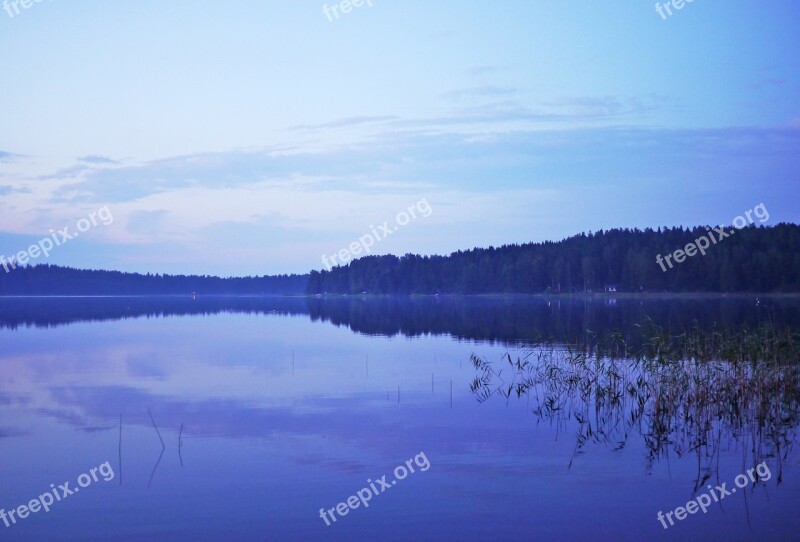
x=347, y=122
x=95, y=159
x=6, y=156
x=495, y=108
x=421, y=158
x=72, y=172
x=7, y=189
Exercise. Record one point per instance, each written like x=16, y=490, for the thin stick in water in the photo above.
x=163, y=447
x=157, y=431
x=120, y=449
x=180, y=444
x=161, y=455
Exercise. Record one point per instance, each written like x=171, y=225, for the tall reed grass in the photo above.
x=697, y=392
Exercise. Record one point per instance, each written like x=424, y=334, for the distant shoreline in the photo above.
x=588, y=295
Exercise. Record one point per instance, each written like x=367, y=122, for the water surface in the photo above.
x=284, y=406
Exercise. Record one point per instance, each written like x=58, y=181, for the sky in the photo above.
x=251, y=138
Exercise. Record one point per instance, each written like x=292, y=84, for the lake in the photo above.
x=256, y=418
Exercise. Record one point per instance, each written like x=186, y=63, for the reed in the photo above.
x=692, y=393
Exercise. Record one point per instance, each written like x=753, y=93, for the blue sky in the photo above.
x=244, y=138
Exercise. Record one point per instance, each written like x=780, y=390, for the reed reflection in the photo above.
x=696, y=393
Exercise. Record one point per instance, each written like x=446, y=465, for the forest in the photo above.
x=57, y=280
x=756, y=259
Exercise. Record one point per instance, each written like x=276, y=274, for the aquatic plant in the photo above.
x=695, y=393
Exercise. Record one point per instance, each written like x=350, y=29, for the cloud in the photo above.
x=572, y=113
x=95, y=159
x=416, y=158
x=6, y=156
x=492, y=107
x=604, y=106
x=347, y=122
x=7, y=189
x=218, y=170
x=72, y=172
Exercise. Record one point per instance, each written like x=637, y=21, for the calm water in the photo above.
x=270, y=409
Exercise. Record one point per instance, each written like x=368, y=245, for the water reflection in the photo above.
x=679, y=406
x=240, y=417
x=502, y=320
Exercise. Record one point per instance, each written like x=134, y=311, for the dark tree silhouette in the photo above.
x=755, y=259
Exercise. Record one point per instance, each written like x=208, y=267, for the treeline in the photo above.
x=56, y=280
x=755, y=259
